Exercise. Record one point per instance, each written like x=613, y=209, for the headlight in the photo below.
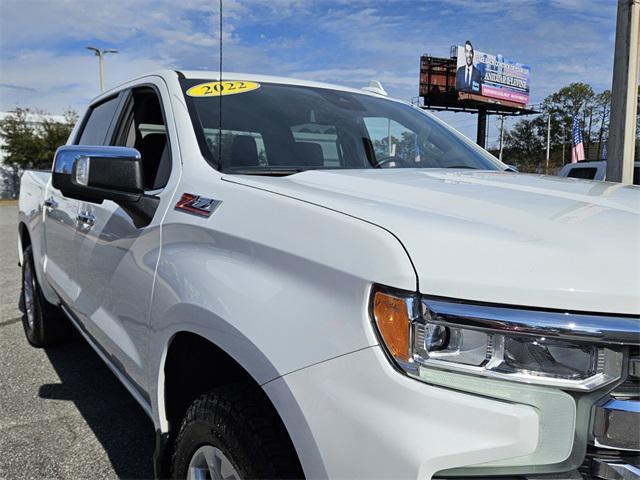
x=566, y=350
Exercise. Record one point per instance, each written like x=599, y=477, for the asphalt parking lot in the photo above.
x=62, y=412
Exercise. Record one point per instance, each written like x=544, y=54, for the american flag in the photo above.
x=577, y=147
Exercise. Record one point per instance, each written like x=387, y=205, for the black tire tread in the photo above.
x=250, y=428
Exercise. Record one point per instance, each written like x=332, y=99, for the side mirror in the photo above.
x=94, y=174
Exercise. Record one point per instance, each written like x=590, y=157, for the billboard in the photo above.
x=491, y=76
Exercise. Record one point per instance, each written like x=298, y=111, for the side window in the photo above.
x=96, y=127
x=143, y=127
x=586, y=173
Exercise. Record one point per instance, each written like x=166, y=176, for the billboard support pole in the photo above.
x=624, y=94
x=482, y=127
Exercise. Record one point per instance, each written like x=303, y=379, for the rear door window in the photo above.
x=97, y=124
x=586, y=173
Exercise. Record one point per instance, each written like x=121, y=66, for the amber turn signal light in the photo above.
x=392, y=319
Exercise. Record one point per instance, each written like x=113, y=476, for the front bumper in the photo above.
x=357, y=417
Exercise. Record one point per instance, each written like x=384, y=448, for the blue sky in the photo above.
x=43, y=63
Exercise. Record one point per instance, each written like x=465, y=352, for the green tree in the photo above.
x=526, y=142
x=30, y=139
x=603, y=111
x=576, y=99
x=523, y=144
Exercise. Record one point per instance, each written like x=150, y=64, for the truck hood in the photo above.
x=497, y=237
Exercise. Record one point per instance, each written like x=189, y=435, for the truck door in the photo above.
x=61, y=213
x=116, y=259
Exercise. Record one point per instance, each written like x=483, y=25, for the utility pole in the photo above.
x=624, y=93
x=501, y=136
x=546, y=170
x=486, y=137
x=100, y=54
x=589, y=132
x=564, y=132
x=604, y=116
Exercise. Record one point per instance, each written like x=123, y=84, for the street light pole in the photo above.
x=100, y=54
x=101, y=66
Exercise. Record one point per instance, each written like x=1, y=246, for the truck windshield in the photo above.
x=273, y=129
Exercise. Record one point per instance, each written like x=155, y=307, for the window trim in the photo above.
x=122, y=117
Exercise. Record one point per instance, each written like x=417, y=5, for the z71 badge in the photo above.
x=197, y=205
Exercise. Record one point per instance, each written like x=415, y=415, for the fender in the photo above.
x=244, y=352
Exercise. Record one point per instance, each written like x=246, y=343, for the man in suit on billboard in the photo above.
x=468, y=78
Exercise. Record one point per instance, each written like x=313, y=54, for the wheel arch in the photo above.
x=178, y=386
x=213, y=339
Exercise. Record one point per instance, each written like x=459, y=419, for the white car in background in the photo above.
x=594, y=170
x=298, y=279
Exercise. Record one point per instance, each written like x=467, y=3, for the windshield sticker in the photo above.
x=216, y=89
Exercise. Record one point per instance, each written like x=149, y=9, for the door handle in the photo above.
x=50, y=204
x=86, y=219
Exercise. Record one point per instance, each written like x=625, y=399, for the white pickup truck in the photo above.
x=297, y=279
x=594, y=170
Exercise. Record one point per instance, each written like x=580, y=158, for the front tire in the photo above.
x=44, y=324
x=230, y=433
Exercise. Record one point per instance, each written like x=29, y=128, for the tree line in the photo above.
x=525, y=144
x=29, y=140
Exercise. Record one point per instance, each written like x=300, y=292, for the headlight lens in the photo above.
x=551, y=358
x=492, y=345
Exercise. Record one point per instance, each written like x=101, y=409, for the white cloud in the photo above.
x=43, y=62
x=39, y=80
